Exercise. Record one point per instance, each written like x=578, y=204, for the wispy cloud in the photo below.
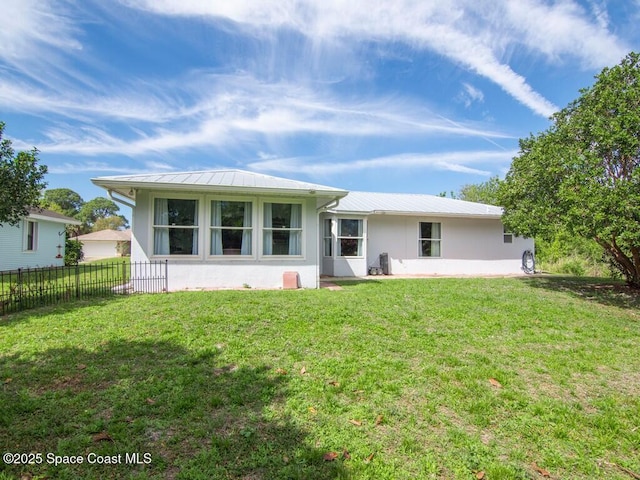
x=235, y=109
x=471, y=33
x=289, y=81
x=469, y=95
x=451, y=161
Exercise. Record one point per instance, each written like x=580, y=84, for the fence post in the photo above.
x=166, y=276
x=124, y=277
x=77, y=280
x=19, y=288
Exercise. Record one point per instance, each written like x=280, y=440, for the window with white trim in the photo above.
x=231, y=228
x=327, y=240
x=175, y=226
x=31, y=236
x=507, y=236
x=282, y=229
x=430, y=239
x=350, y=236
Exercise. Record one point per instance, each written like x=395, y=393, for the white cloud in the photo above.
x=37, y=36
x=451, y=161
x=470, y=95
x=228, y=110
x=564, y=28
x=471, y=33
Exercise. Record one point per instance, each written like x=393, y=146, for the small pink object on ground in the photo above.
x=290, y=280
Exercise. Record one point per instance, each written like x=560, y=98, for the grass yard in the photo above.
x=399, y=379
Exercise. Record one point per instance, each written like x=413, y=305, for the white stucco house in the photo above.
x=103, y=243
x=36, y=241
x=233, y=228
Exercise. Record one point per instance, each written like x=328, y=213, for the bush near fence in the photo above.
x=33, y=287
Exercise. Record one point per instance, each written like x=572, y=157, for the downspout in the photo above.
x=120, y=200
x=333, y=203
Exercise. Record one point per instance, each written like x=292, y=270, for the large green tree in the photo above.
x=95, y=209
x=483, y=192
x=21, y=181
x=63, y=200
x=582, y=174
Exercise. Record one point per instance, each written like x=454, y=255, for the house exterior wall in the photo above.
x=468, y=247
x=93, y=249
x=13, y=253
x=207, y=271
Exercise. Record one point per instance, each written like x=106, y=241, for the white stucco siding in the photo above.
x=468, y=246
x=206, y=271
x=14, y=255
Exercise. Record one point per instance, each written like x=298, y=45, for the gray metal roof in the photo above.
x=369, y=203
x=214, y=180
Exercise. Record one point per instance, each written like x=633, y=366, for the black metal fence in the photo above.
x=33, y=287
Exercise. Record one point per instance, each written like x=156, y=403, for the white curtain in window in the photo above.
x=435, y=235
x=216, y=233
x=161, y=235
x=295, y=247
x=246, y=233
x=435, y=231
x=194, y=245
x=268, y=234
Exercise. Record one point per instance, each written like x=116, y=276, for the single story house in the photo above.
x=104, y=243
x=233, y=228
x=36, y=241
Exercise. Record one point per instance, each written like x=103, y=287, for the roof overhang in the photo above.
x=127, y=189
x=44, y=217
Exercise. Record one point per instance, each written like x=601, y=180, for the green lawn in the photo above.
x=393, y=379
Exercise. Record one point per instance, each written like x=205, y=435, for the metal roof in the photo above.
x=369, y=203
x=214, y=181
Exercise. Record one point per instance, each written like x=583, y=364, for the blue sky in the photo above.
x=419, y=96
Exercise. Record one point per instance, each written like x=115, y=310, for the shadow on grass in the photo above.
x=61, y=307
x=603, y=291
x=194, y=416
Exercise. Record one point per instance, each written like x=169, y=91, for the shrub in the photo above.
x=73, y=253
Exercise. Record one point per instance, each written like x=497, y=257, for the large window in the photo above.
x=350, y=238
x=175, y=227
x=282, y=229
x=430, y=239
x=231, y=230
x=327, y=237
x=31, y=236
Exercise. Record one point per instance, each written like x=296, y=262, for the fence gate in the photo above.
x=33, y=287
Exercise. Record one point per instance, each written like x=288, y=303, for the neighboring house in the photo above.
x=232, y=228
x=104, y=243
x=37, y=241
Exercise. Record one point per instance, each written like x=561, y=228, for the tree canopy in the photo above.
x=483, y=192
x=97, y=214
x=582, y=173
x=99, y=207
x=64, y=200
x=21, y=181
